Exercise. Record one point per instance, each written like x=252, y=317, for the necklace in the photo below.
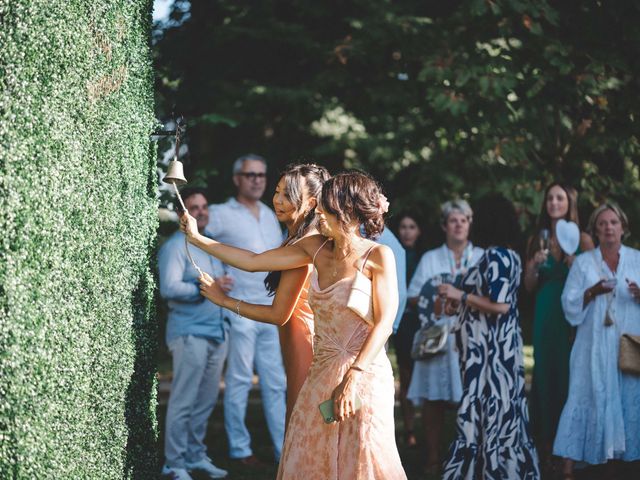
x=334, y=274
x=608, y=318
x=350, y=250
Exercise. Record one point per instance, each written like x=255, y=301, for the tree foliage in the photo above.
x=436, y=99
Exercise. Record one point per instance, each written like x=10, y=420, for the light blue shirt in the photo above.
x=189, y=312
x=389, y=239
x=234, y=224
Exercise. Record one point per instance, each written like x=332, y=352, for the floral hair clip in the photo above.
x=383, y=204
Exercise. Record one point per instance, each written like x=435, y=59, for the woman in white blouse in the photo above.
x=436, y=382
x=601, y=418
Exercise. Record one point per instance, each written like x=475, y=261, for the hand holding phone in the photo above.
x=326, y=409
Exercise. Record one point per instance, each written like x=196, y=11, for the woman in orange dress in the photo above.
x=350, y=365
x=294, y=203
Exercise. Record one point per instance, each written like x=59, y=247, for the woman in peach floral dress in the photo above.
x=350, y=364
x=362, y=445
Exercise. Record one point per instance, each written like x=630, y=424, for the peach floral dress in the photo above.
x=363, y=446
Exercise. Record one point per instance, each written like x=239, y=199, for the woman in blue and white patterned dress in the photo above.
x=493, y=439
x=435, y=381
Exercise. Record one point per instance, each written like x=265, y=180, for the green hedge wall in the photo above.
x=78, y=217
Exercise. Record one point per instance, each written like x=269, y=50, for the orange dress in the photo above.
x=296, y=343
x=363, y=446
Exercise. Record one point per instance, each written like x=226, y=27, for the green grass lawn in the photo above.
x=218, y=448
x=216, y=439
x=412, y=458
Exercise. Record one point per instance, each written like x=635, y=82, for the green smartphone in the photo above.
x=326, y=409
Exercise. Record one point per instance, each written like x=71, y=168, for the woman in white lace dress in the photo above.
x=601, y=419
x=435, y=382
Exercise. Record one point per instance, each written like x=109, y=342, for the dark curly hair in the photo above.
x=314, y=176
x=496, y=223
x=354, y=196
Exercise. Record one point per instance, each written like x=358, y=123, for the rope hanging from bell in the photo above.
x=175, y=176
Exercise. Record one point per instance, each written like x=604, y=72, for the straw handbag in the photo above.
x=629, y=357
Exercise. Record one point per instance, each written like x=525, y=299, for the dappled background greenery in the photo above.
x=436, y=99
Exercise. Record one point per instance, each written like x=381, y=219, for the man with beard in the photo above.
x=196, y=337
x=246, y=222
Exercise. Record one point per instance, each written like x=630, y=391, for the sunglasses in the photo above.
x=253, y=175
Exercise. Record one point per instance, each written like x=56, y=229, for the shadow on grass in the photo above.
x=218, y=448
x=412, y=458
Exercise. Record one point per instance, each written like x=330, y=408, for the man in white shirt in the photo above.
x=246, y=222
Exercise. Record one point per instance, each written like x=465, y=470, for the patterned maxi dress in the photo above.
x=363, y=446
x=493, y=439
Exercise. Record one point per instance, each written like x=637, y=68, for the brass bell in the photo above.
x=175, y=173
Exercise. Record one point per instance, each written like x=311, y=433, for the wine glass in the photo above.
x=545, y=240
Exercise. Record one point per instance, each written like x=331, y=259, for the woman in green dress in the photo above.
x=546, y=270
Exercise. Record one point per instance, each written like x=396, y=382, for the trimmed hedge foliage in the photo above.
x=78, y=216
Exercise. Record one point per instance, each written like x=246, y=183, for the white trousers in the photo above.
x=197, y=367
x=253, y=343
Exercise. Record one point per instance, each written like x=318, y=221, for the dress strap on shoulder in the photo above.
x=313, y=262
x=366, y=257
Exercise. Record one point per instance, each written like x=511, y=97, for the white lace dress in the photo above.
x=438, y=378
x=601, y=418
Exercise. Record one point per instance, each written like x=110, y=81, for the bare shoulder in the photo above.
x=382, y=255
x=311, y=243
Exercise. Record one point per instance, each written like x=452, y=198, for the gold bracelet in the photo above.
x=238, y=307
